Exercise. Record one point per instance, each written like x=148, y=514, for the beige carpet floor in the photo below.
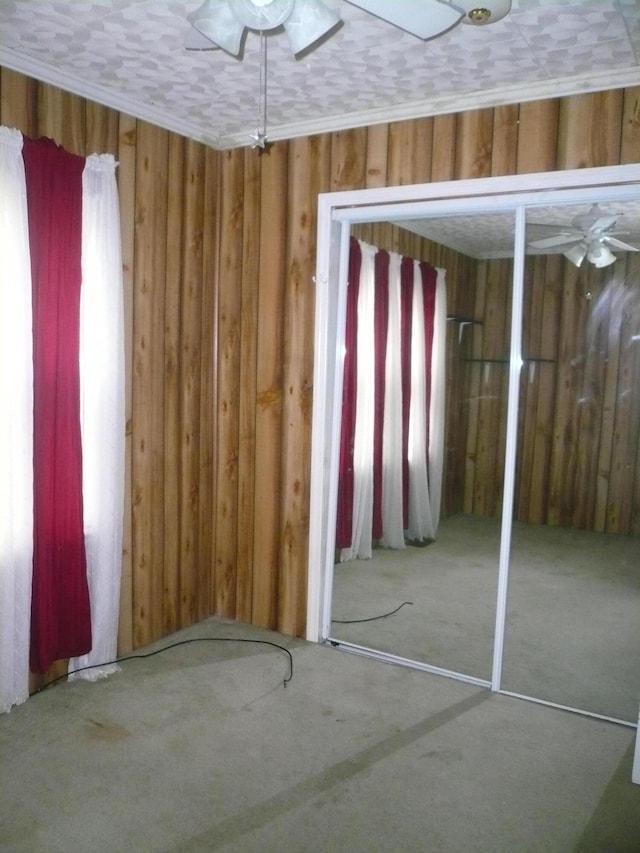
x=573, y=615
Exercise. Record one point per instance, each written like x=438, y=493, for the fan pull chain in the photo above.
x=260, y=136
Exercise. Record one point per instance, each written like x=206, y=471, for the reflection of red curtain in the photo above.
x=406, y=312
x=348, y=423
x=380, y=322
x=429, y=277
x=60, y=612
x=380, y=332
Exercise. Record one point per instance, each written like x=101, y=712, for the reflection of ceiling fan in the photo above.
x=221, y=23
x=590, y=235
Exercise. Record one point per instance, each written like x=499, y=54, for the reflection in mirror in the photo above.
x=439, y=586
x=573, y=612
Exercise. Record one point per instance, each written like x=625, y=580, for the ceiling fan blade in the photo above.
x=603, y=223
x=618, y=244
x=422, y=18
x=564, y=239
x=594, y=219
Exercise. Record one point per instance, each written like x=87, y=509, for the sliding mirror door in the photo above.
x=573, y=613
x=425, y=590
x=529, y=580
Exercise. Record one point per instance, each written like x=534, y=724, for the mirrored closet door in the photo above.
x=529, y=580
x=429, y=594
x=573, y=611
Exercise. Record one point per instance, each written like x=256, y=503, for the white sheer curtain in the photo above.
x=16, y=420
x=102, y=414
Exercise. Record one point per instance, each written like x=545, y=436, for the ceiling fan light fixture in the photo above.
x=216, y=20
x=309, y=21
x=262, y=15
x=479, y=13
x=600, y=255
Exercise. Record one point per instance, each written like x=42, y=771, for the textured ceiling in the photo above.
x=491, y=235
x=129, y=54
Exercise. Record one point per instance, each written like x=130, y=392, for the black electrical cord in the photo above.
x=173, y=646
x=371, y=618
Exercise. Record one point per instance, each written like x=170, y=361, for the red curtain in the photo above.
x=60, y=611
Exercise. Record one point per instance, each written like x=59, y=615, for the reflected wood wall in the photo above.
x=219, y=255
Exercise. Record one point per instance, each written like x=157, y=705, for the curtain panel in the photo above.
x=391, y=448
x=60, y=611
x=16, y=424
x=62, y=392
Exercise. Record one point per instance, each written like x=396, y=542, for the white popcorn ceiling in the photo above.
x=491, y=235
x=129, y=54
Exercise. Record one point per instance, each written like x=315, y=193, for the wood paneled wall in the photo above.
x=219, y=254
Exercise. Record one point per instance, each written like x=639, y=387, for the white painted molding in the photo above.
x=515, y=93
x=31, y=67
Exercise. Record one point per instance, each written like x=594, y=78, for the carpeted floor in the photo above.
x=201, y=748
x=573, y=617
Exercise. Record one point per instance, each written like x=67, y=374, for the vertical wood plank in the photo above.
x=550, y=274
x=409, y=152
x=563, y=456
x=444, y=147
x=101, y=131
x=624, y=327
x=536, y=147
x=251, y=262
x=308, y=174
x=208, y=383
x=376, y=156
x=19, y=102
x=472, y=388
x=630, y=144
x=590, y=130
x=348, y=158
x=148, y=381
x=589, y=405
x=229, y=325
x=473, y=144
x=190, y=384
x=173, y=449
x=504, y=140
x=269, y=378
x=126, y=175
x=61, y=117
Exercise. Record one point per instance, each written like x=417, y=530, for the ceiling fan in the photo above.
x=222, y=23
x=590, y=235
